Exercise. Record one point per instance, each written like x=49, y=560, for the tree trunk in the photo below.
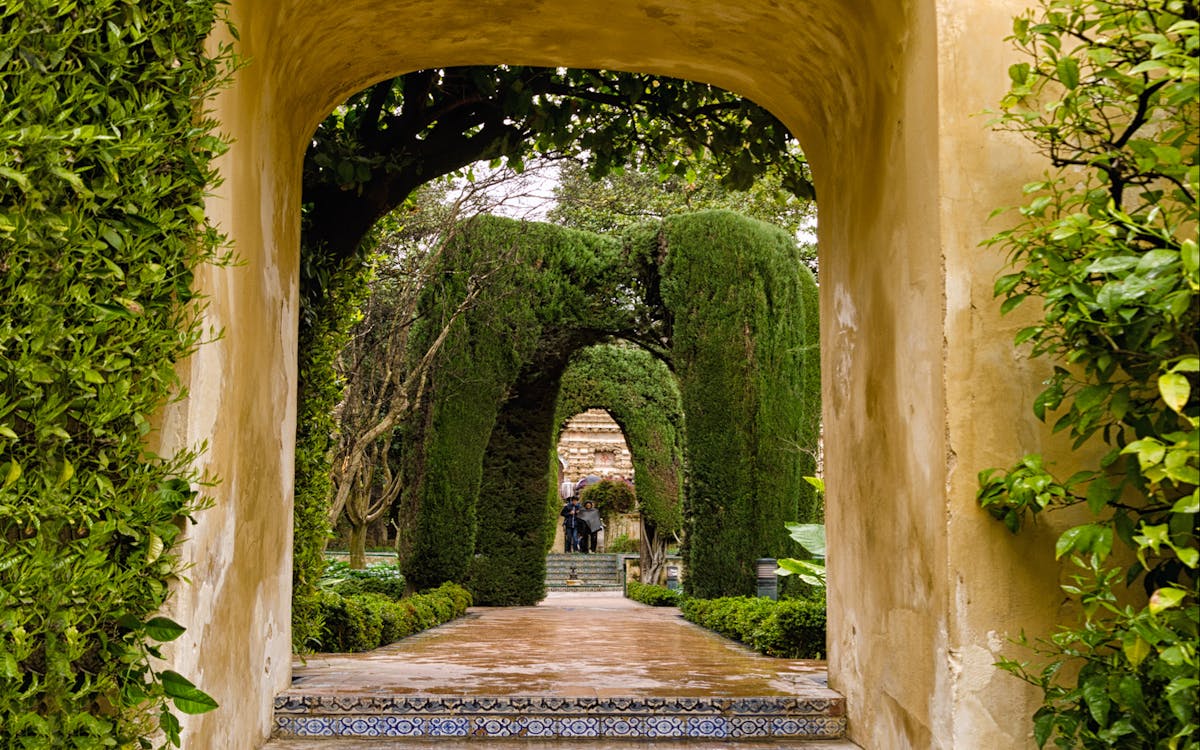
x=358, y=545
x=653, y=561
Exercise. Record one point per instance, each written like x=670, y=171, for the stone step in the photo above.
x=442, y=743
x=585, y=586
x=558, y=717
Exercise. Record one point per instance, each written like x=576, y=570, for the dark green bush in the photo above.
x=610, y=496
x=362, y=622
x=791, y=628
x=655, y=596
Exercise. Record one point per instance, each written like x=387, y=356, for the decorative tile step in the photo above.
x=474, y=717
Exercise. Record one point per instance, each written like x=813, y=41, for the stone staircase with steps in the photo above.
x=579, y=572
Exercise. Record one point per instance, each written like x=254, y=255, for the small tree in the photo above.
x=384, y=379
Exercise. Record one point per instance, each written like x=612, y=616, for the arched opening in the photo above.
x=593, y=448
x=881, y=96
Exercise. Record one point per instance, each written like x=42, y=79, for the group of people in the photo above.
x=581, y=525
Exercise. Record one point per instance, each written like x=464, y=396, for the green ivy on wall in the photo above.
x=104, y=162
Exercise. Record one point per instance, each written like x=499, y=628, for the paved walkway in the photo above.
x=572, y=645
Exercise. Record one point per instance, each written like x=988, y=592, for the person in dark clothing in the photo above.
x=571, y=524
x=590, y=525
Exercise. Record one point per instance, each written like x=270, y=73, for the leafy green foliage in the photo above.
x=364, y=621
x=624, y=198
x=104, y=162
x=381, y=578
x=789, y=628
x=651, y=594
x=323, y=333
x=494, y=391
x=384, y=142
x=610, y=497
x=743, y=334
x=811, y=538
x=1107, y=244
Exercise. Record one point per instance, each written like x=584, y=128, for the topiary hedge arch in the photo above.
x=723, y=298
x=641, y=394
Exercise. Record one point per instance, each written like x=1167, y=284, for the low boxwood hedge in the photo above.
x=789, y=628
x=655, y=596
x=361, y=622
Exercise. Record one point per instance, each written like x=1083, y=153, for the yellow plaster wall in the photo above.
x=921, y=387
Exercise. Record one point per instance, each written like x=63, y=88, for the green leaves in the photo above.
x=103, y=175
x=1106, y=243
x=186, y=696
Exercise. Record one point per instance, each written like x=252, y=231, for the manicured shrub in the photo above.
x=744, y=347
x=362, y=622
x=610, y=497
x=730, y=298
x=655, y=596
x=640, y=393
x=791, y=628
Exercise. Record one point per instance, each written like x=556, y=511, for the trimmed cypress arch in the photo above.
x=640, y=393
x=744, y=343
x=719, y=297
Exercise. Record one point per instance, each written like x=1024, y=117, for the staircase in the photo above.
x=579, y=572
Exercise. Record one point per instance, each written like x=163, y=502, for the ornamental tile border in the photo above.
x=418, y=705
x=629, y=727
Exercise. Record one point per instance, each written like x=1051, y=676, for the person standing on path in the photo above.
x=590, y=524
x=571, y=524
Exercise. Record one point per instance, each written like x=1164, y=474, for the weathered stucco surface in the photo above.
x=922, y=388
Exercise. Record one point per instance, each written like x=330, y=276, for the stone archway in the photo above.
x=919, y=371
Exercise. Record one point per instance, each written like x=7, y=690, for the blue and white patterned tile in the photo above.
x=538, y=726
x=364, y=726
x=707, y=726
x=400, y=726
x=579, y=726
x=307, y=726
x=790, y=727
x=664, y=726
x=448, y=726
x=623, y=726
x=494, y=726
x=748, y=726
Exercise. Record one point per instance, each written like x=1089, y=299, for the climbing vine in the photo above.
x=105, y=157
x=1106, y=244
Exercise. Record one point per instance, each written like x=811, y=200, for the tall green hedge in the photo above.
x=720, y=296
x=104, y=161
x=743, y=344
x=544, y=292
